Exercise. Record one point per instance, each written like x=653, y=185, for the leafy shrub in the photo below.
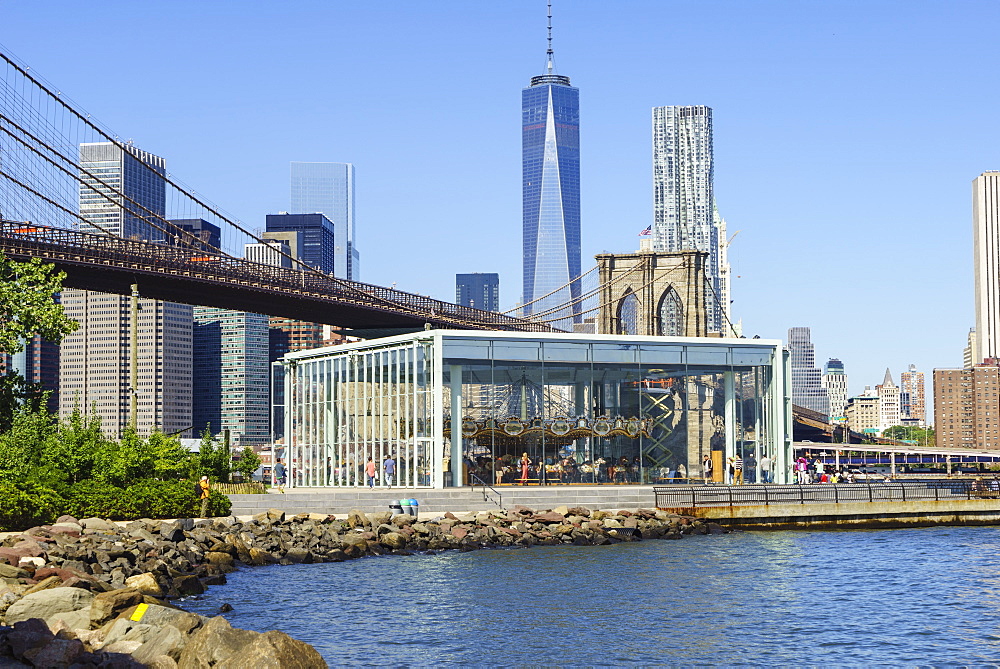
x=27, y=505
x=88, y=499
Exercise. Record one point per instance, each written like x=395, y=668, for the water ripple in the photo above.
x=909, y=596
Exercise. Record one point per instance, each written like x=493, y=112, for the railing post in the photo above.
x=730, y=495
x=693, y=502
x=870, y=498
x=767, y=499
x=903, y=488
x=802, y=495
x=836, y=494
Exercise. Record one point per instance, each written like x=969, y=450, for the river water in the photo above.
x=910, y=596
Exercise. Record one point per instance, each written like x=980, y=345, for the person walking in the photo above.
x=765, y=468
x=370, y=473
x=706, y=468
x=388, y=470
x=203, y=494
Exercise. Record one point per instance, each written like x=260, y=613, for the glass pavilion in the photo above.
x=456, y=408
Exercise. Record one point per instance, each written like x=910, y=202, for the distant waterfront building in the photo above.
x=106, y=167
x=912, y=405
x=231, y=375
x=328, y=189
x=862, y=413
x=888, y=403
x=986, y=262
x=807, y=386
x=684, y=211
x=479, y=290
x=967, y=408
x=834, y=381
x=94, y=362
x=550, y=145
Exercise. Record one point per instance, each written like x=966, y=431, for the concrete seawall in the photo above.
x=848, y=515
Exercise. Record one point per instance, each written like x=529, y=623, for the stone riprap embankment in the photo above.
x=93, y=593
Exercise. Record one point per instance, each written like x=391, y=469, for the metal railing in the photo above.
x=668, y=497
x=476, y=481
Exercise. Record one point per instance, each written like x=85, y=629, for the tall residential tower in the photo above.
x=986, y=263
x=684, y=212
x=550, y=146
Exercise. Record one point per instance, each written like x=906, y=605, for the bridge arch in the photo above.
x=670, y=315
x=628, y=313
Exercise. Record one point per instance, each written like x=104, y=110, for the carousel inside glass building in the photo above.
x=454, y=408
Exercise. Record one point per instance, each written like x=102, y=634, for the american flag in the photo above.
x=647, y=231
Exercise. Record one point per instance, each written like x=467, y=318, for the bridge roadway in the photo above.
x=177, y=274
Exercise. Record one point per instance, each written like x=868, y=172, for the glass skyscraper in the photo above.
x=684, y=213
x=479, y=290
x=550, y=143
x=328, y=188
x=807, y=380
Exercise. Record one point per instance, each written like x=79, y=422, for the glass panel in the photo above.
x=744, y=356
x=513, y=350
x=624, y=353
x=712, y=355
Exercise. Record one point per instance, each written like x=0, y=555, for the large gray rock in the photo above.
x=274, y=650
x=108, y=605
x=7, y=571
x=55, y=653
x=213, y=643
x=165, y=641
x=45, y=604
x=146, y=584
x=72, y=620
x=125, y=629
x=160, y=616
x=99, y=524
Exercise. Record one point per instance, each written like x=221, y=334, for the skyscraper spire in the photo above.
x=549, y=52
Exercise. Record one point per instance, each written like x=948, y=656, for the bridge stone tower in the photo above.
x=653, y=293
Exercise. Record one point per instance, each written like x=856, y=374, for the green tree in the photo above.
x=170, y=459
x=920, y=435
x=77, y=443
x=213, y=458
x=248, y=463
x=27, y=447
x=27, y=307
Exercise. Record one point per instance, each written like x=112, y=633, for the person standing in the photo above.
x=737, y=470
x=279, y=473
x=388, y=470
x=204, y=493
x=525, y=463
x=765, y=468
x=706, y=468
x=370, y=473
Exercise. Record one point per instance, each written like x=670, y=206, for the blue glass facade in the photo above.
x=328, y=189
x=316, y=238
x=550, y=142
x=478, y=290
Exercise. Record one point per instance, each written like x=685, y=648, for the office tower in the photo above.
x=911, y=396
x=94, y=361
x=862, y=413
x=835, y=382
x=231, y=375
x=966, y=409
x=479, y=290
x=328, y=188
x=270, y=252
x=986, y=262
x=550, y=152
x=807, y=387
x=684, y=212
x=200, y=234
x=107, y=169
x=888, y=403
x=312, y=239
x=38, y=365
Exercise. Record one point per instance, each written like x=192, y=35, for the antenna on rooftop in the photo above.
x=548, y=52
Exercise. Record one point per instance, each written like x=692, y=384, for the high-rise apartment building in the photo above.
x=834, y=381
x=122, y=194
x=479, y=290
x=684, y=211
x=986, y=262
x=912, y=406
x=888, y=403
x=862, y=413
x=967, y=407
x=550, y=152
x=807, y=386
x=970, y=354
x=328, y=189
x=232, y=375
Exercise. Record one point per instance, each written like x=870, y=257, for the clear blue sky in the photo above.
x=847, y=134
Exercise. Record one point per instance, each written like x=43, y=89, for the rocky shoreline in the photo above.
x=93, y=593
